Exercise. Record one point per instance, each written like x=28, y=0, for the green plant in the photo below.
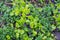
x=25, y=21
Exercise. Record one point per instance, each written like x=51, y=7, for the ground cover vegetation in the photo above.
x=29, y=19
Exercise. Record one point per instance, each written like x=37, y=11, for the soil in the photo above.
x=57, y=34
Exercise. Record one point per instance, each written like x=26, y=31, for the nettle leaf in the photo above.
x=53, y=27
x=21, y=31
x=12, y=13
x=30, y=17
x=25, y=37
x=17, y=25
x=8, y=37
x=58, y=18
x=39, y=25
x=58, y=5
x=27, y=21
x=40, y=9
x=21, y=21
x=34, y=33
x=26, y=10
x=52, y=5
x=32, y=24
x=17, y=11
x=22, y=3
x=55, y=11
x=17, y=35
x=23, y=15
x=44, y=37
x=47, y=9
x=39, y=37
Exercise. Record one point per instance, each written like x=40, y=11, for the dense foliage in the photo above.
x=29, y=19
